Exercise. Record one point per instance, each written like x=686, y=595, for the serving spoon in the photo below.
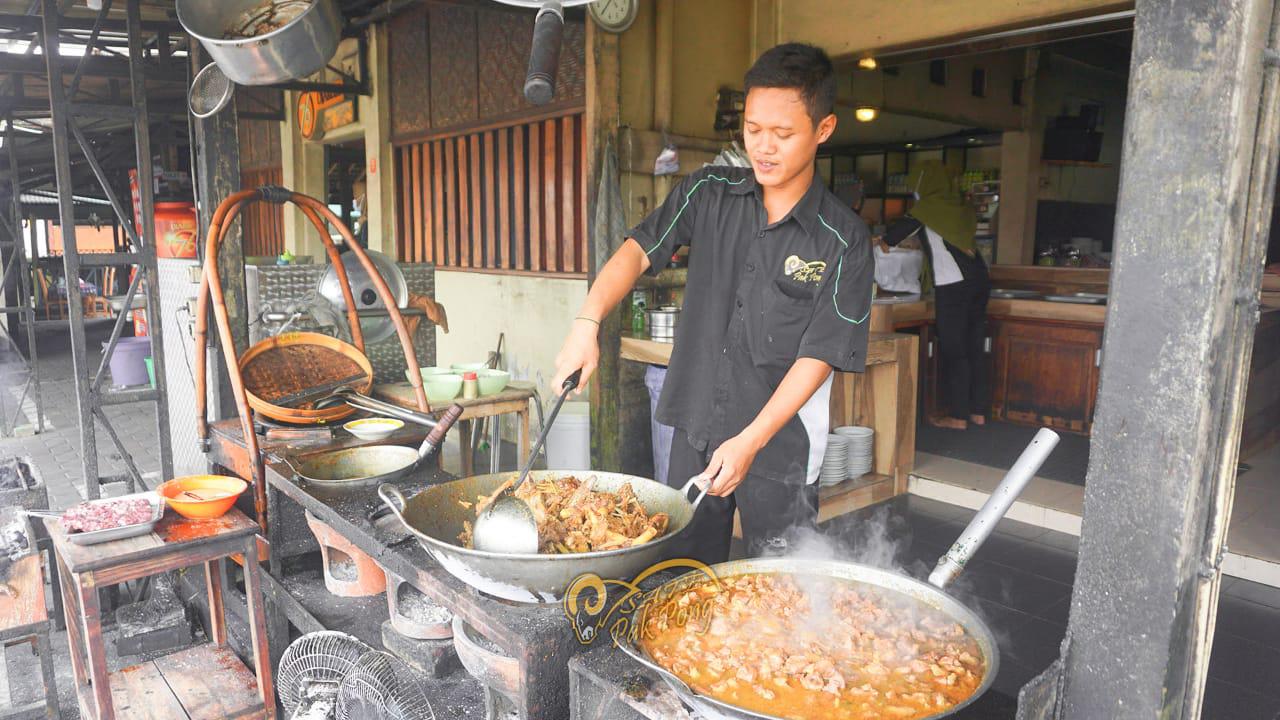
x=507, y=525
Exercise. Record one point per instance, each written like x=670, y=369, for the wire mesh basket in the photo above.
x=382, y=687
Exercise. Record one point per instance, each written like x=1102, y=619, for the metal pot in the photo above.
x=375, y=329
x=300, y=48
x=663, y=321
x=436, y=514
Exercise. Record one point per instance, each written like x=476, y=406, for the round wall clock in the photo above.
x=614, y=15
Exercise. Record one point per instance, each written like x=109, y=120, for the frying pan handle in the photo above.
x=392, y=496
x=703, y=486
x=984, y=522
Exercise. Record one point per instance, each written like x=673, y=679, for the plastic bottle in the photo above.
x=470, y=386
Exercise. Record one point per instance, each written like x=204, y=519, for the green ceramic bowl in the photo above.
x=492, y=381
x=442, y=388
x=429, y=371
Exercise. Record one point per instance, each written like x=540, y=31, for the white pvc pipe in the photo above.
x=982, y=525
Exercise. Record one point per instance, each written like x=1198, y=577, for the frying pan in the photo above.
x=932, y=593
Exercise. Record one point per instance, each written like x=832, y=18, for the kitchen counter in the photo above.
x=883, y=398
x=920, y=311
x=881, y=348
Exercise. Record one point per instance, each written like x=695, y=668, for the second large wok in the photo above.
x=435, y=517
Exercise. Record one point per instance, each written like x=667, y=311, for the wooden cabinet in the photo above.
x=1045, y=372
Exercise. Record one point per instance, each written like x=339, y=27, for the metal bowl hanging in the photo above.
x=264, y=42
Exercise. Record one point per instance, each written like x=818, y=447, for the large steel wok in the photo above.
x=932, y=593
x=436, y=514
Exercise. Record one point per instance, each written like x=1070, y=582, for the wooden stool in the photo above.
x=204, y=681
x=24, y=618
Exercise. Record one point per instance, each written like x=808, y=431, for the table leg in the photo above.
x=258, y=627
x=495, y=442
x=71, y=611
x=523, y=440
x=217, y=612
x=464, y=443
x=91, y=616
x=45, y=650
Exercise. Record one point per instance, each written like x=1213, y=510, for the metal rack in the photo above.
x=67, y=118
x=12, y=255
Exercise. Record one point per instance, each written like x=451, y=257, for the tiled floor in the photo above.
x=1021, y=582
x=1253, y=539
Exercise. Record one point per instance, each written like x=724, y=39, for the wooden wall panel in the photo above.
x=519, y=178
x=410, y=84
x=263, y=223
x=503, y=169
x=502, y=199
x=453, y=66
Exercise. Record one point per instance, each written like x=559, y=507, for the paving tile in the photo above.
x=1249, y=620
x=1058, y=613
x=1047, y=562
x=1010, y=587
x=1255, y=592
x=1247, y=663
x=1227, y=701
x=1020, y=529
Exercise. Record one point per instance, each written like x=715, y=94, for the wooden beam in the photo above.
x=604, y=74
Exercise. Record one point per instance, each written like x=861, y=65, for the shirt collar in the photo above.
x=805, y=211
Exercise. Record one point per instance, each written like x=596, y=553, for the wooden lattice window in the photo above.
x=507, y=198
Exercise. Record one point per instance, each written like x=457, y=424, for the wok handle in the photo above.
x=394, y=499
x=703, y=487
x=979, y=529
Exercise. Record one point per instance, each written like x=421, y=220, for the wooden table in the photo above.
x=883, y=398
x=206, y=681
x=514, y=399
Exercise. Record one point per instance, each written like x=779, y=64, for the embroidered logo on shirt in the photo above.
x=804, y=271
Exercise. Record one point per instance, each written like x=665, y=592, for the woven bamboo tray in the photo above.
x=294, y=362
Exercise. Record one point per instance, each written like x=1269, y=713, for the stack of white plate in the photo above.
x=835, y=462
x=858, y=448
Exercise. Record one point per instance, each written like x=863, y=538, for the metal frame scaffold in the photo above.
x=67, y=114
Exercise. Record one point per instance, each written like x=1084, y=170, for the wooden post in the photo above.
x=217, y=175
x=602, y=117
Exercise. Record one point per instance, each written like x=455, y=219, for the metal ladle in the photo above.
x=508, y=525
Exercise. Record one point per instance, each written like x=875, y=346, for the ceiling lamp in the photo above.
x=868, y=63
x=866, y=113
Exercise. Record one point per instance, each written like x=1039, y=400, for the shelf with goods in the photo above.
x=982, y=189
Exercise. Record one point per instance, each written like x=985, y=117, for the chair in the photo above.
x=50, y=300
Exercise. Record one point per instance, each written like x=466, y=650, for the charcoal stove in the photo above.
x=535, y=641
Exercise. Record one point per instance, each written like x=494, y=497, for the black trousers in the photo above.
x=961, y=312
x=771, y=512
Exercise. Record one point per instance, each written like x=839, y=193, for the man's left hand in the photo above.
x=729, y=464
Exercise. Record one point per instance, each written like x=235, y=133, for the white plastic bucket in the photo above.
x=569, y=442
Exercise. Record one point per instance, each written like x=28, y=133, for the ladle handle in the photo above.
x=703, y=487
x=435, y=438
x=570, y=383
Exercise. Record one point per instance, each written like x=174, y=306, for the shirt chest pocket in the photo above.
x=786, y=306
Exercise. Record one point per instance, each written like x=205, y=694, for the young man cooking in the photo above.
x=778, y=294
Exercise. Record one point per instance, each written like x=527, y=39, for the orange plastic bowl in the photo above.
x=201, y=497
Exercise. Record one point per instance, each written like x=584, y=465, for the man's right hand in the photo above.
x=580, y=351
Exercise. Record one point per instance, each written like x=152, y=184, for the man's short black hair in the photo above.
x=801, y=67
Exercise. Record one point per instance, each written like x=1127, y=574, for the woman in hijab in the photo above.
x=943, y=224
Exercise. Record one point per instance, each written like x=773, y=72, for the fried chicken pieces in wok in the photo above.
x=574, y=518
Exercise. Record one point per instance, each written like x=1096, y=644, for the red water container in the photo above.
x=175, y=230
